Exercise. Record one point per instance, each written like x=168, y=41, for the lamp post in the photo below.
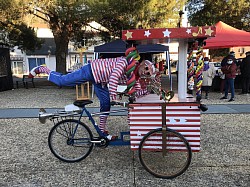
x=180, y=18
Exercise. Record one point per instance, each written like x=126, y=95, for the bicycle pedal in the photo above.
x=101, y=142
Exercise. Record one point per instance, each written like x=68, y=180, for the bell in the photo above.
x=169, y=95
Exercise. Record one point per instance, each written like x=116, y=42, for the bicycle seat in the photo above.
x=82, y=103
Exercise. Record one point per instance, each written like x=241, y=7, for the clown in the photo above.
x=104, y=72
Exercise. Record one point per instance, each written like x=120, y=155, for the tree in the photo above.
x=209, y=12
x=14, y=30
x=66, y=19
x=160, y=13
x=117, y=15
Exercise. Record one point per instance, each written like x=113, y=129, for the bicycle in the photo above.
x=71, y=140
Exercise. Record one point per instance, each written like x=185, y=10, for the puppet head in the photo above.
x=146, y=69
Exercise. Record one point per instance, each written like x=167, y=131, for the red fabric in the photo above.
x=227, y=36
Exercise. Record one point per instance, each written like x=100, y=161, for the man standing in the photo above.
x=245, y=73
x=230, y=73
x=231, y=55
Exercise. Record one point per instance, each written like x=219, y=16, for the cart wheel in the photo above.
x=166, y=164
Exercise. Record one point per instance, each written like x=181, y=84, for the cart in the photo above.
x=181, y=113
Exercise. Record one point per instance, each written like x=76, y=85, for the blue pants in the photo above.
x=229, y=82
x=80, y=76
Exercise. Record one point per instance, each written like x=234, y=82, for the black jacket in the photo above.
x=245, y=67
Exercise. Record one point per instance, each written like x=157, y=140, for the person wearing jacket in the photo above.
x=208, y=75
x=245, y=73
x=230, y=73
x=231, y=55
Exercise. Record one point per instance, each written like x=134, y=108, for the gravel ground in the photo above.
x=25, y=159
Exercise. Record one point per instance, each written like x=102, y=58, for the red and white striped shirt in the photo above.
x=112, y=71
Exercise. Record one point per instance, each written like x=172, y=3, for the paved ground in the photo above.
x=33, y=112
x=26, y=161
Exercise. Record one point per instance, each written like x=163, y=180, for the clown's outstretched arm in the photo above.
x=77, y=77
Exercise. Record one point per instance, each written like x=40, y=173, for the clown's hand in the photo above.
x=38, y=70
x=131, y=99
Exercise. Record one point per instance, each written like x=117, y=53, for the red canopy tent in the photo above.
x=227, y=36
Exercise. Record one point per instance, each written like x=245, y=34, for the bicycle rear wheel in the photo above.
x=69, y=149
x=169, y=163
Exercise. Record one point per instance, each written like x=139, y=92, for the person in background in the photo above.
x=208, y=75
x=230, y=73
x=231, y=55
x=245, y=73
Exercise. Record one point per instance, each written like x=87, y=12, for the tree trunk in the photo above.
x=61, y=53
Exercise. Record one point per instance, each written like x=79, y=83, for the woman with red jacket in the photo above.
x=230, y=72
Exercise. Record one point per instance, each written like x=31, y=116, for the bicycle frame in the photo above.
x=118, y=142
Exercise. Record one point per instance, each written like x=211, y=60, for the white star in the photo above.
x=182, y=120
x=166, y=33
x=188, y=31
x=138, y=133
x=147, y=33
x=171, y=120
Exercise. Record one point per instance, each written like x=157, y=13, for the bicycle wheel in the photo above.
x=69, y=149
x=169, y=163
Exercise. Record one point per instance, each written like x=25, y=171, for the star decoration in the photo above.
x=182, y=120
x=147, y=33
x=171, y=120
x=188, y=31
x=166, y=33
x=138, y=133
x=129, y=34
x=209, y=31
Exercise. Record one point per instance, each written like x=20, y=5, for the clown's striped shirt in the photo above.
x=111, y=71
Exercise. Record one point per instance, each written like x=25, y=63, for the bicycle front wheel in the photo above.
x=165, y=163
x=70, y=140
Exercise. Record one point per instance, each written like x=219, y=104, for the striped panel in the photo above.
x=181, y=117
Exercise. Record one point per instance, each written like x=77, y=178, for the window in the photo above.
x=17, y=67
x=33, y=62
